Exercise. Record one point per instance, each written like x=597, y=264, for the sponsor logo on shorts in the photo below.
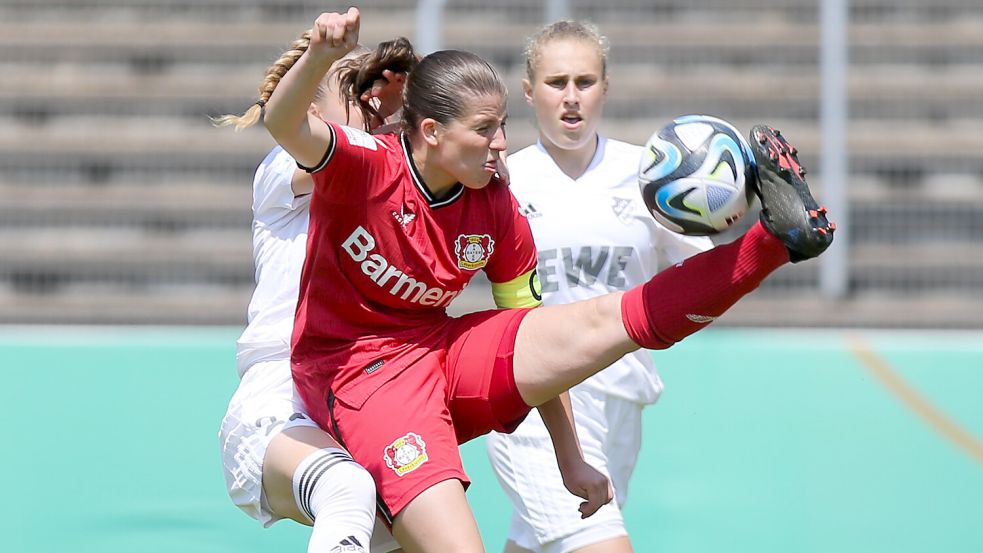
x=473, y=250
x=406, y=454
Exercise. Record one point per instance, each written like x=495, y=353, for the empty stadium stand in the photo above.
x=120, y=203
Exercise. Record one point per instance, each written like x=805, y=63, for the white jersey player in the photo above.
x=580, y=193
x=278, y=463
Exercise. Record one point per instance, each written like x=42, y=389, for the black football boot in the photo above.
x=788, y=209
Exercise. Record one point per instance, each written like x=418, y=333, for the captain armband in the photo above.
x=522, y=291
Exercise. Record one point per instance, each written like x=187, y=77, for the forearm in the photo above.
x=557, y=415
x=579, y=478
x=287, y=117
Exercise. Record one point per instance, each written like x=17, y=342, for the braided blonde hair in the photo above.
x=273, y=75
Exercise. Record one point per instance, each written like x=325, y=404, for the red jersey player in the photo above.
x=278, y=463
x=394, y=256
x=399, y=225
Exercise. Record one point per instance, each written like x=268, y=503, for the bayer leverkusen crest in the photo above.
x=473, y=250
x=406, y=454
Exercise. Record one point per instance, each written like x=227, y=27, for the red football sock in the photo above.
x=686, y=297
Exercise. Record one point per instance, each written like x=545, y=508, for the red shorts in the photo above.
x=406, y=433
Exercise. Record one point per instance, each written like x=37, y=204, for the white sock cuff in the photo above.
x=309, y=473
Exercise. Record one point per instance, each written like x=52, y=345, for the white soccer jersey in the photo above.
x=595, y=236
x=280, y=222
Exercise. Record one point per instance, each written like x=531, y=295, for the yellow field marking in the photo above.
x=915, y=401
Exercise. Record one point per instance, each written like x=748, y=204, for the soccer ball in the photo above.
x=697, y=175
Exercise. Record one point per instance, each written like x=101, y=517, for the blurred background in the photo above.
x=125, y=268
x=120, y=203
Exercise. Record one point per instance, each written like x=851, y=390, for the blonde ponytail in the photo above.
x=273, y=75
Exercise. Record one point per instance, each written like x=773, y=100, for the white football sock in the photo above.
x=338, y=495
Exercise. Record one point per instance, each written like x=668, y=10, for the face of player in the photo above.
x=568, y=94
x=468, y=149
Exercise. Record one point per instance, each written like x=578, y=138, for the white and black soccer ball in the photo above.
x=697, y=175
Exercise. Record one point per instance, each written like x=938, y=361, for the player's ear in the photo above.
x=527, y=90
x=429, y=129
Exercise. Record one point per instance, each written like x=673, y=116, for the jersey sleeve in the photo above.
x=354, y=158
x=512, y=272
x=272, y=186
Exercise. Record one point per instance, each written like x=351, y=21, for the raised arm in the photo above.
x=287, y=117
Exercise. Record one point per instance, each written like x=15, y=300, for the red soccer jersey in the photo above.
x=385, y=258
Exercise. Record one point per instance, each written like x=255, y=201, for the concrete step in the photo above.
x=101, y=304
x=218, y=11
x=494, y=35
x=52, y=260
x=98, y=304
x=880, y=213
x=879, y=92
x=131, y=141
x=171, y=41
x=126, y=207
x=610, y=11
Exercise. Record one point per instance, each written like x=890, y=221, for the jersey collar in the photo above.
x=456, y=191
x=595, y=161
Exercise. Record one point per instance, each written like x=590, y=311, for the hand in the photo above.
x=334, y=35
x=586, y=482
x=385, y=95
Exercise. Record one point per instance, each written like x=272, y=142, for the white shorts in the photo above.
x=545, y=518
x=265, y=404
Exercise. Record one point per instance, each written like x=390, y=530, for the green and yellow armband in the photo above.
x=522, y=291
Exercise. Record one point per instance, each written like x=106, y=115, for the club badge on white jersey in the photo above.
x=623, y=209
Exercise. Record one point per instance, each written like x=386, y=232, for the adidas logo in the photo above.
x=348, y=545
x=403, y=217
x=529, y=211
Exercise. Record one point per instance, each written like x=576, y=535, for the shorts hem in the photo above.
x=582, y=537
x=512, y=409
x=402, y=501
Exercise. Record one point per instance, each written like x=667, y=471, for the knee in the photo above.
x=330, y=479
x=354, y=484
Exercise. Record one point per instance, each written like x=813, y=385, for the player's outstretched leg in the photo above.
x=788, y=209
x=559, y=346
